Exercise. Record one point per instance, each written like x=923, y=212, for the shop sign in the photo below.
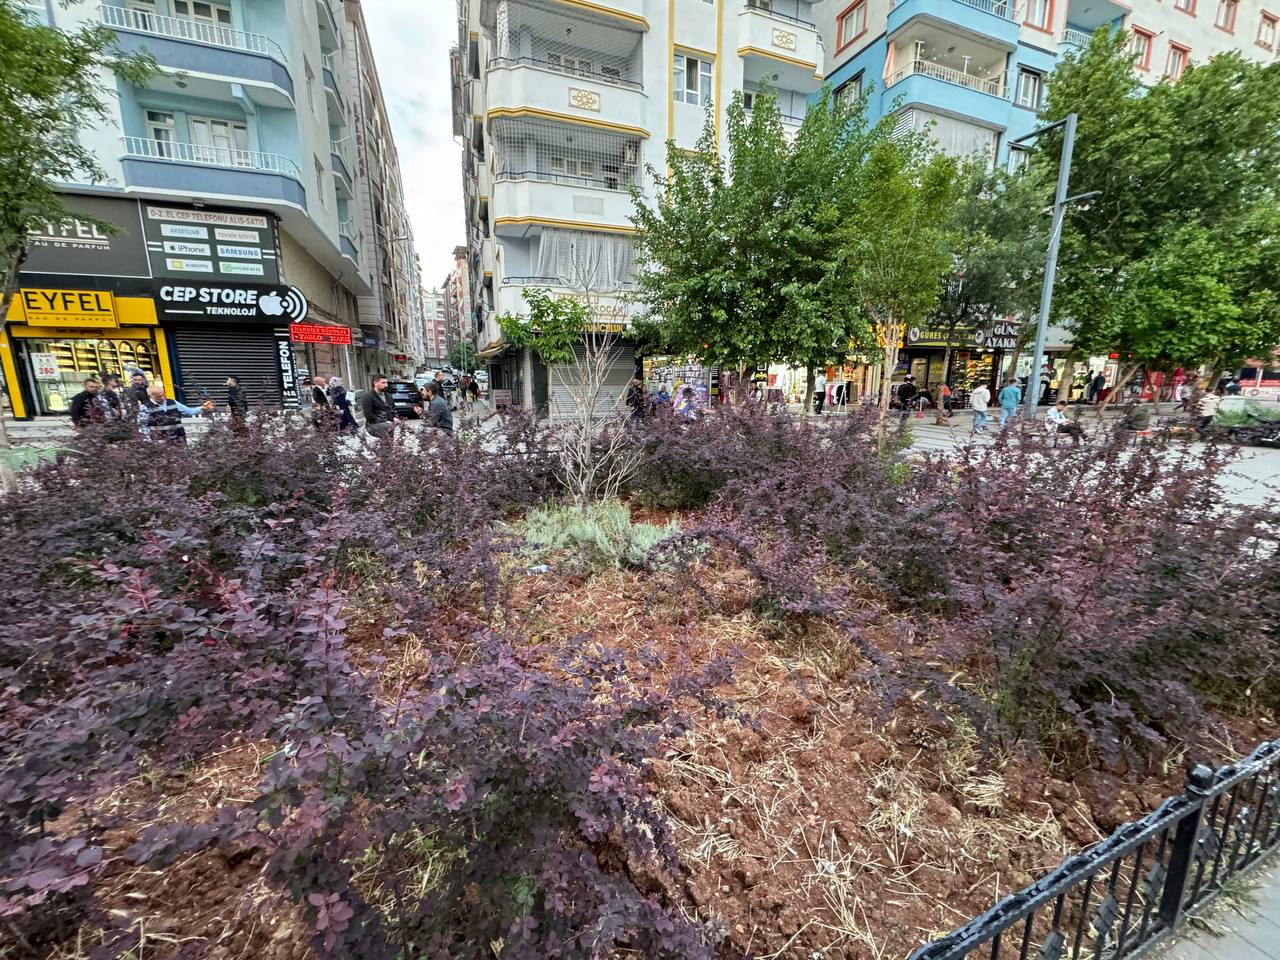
x=68, y=308
x=288, y=374
x=79, y=246
x=243, y=302
x=45, y=366
x=1000, y=336
x=370, y=342
x=941, y=337
x=319, y=333
x=401, y=358
x=183, y=241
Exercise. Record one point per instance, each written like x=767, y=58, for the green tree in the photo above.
x=899, y=240
x=552, y=328
x=711, y=258
x=464, y=356
x=1175, y=263
x=51, y=88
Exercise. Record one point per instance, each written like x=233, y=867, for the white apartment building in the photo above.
x=560, y=105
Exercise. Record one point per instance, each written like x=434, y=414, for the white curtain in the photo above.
x=586, y=258
x=955, y=137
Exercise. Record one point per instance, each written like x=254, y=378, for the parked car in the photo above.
x=405, y=396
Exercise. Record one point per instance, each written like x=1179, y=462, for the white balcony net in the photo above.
x=564, y=153
x=552, y=37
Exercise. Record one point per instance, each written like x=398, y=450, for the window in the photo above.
x=748, y=100
x=692, y=81
x=1039, y=13
x=1140, y=46
x=1030, y=88
x=1018, y=157
x=578, y=168
x=1176, y=62
x=210, y=22
x=320, y=175
x=1226, y=18
x=144, y=12
x=1267, y=29
x=1186, y=6
x=568, y=64
x=162, y=130
x=311, y=84
x=223, y=142
x=850, y=91
x=851, y=24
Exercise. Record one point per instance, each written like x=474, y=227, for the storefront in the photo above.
x=55, y=339
x=961, y=356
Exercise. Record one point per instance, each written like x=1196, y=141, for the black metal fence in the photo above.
x=1131, y=892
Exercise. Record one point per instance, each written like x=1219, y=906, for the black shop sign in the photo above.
x=79, y=245
x=999, y=336
x=230, y=303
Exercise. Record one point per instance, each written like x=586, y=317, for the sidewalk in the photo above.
x=1244, y=926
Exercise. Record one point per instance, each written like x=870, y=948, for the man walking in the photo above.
x=322, y=413
x=1097, y=384
x=978, y=401
x=819, y=392
x=1010, y=397
x=237, y=403
x=379, y=412
x=161, y=418
x=437, y=413
x=92, y=406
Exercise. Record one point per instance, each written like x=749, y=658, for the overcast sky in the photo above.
x=411, y=41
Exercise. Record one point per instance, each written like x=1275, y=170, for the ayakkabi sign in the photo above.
x=244, y=303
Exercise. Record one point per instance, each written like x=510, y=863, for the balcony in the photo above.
x=167, y=165
x=628, y=13
x=526, y=84
x=538, y=198
x=992, y=87
x=346, y=244
x=1075, y=39
x=211, y=58
x=332, y=71
x=778, y=50
x=330, y=31
x=994, y=20
x=342, y=173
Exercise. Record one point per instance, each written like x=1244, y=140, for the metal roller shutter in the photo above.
x=612, y=393
x=207, y=355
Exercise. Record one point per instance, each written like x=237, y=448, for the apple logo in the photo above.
x=271, y=304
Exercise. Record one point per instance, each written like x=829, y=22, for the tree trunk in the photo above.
x=1121, y=382
x=808, y=390
x=891, y=348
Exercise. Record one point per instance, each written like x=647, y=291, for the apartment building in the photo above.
x=973, y=71
x=460, y=315
x=256, y=191
x=560, y=104
x=435, y=323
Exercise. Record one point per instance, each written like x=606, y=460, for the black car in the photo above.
x=405, y=396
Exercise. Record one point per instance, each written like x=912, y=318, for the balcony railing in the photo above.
x=195, y=31
x=1077, y=37
x=619, y=183
x=559, y=282
x=332, y=63
x=998, y=8
x=596, y=76
x=139, y=148
x=993, y=87
x=763, y=6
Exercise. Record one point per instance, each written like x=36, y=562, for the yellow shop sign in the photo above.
x=67, y=308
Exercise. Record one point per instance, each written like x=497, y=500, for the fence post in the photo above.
x=1183, y=855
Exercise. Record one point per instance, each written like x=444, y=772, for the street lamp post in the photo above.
x=1060, y=203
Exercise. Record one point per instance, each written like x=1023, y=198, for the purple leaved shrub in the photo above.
x=168, y=602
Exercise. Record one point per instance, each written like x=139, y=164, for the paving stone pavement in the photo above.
x=1242, y=927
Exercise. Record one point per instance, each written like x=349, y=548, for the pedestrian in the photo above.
x=1207, y=410
x=819, y=392
x=161, y=418
x=379, y=412
x=437, y=412
x=473, y=388
x=1056, y=420
x=636, y=399
x=1010, y=397
x=664, y=395
x=138, y=388
x=978, y=401
x=341, y=401
x=687, y=406
x=1232, y=387
x=907, y=393
x=92, y=406
x=442, y=388
x=323, y=415
x=237, y=403
x=1097, y=384
x=1184, y=395
x=946, y=399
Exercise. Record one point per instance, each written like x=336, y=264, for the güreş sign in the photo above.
x=238, y=303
